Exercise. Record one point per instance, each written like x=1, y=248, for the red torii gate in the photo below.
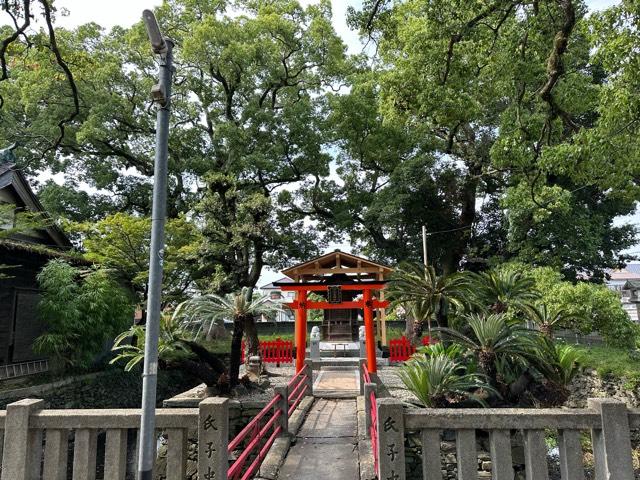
x=368, y=304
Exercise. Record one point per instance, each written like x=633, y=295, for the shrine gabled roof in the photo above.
x=336, y=262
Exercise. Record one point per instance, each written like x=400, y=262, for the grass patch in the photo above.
x=615, y=362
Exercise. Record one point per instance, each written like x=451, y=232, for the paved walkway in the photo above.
x=326, y=445
x=337, y=382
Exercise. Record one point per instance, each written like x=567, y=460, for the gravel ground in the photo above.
x=263, y=392
x=394, y=386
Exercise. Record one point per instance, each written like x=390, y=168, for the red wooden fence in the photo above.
x=274, y=351
x=400, y=349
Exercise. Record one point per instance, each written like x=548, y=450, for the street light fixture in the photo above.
x=153, y=31
x=161, y=94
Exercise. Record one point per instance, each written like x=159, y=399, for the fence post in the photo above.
x=213, y=438
x=22, y=447
x=612, y=443
x=390, y=439
x=283, y=406
x=368, y=388
x=308, y=365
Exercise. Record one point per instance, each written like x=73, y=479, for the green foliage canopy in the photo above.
x=587, y=306
x=83, y=309
x=121, y=242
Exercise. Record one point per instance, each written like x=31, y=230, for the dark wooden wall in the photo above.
x=19, y=322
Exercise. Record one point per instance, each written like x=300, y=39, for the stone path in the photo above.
x=326, y=446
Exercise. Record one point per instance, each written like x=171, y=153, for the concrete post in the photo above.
x=368, y=388
x=315, y=348
x=213, y=438
x=309, y=366
x=390, y=439
x=363, y=351
x=22, y=447
x=283, y=406
x=612, y=443
x=361, y=362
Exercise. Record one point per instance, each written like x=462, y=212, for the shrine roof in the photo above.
x=337, y=262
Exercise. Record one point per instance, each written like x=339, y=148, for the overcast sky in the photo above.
x=127, y=12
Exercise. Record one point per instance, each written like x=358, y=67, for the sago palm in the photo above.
x=177, y=350
x=438, y=381
x=562, y=362
x=201, y=313
x=493, y=336
x=501, y=290
x=546, y=318
x=422, y=290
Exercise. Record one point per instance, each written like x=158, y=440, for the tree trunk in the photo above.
x=236, y=351
x=251, y=336
x=442, y=313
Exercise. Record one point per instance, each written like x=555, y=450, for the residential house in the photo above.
x=278, y=297
x=626, y=282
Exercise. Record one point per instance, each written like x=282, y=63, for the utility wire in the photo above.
x=450, y=230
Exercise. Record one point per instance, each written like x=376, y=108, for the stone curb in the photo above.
x=365, y=454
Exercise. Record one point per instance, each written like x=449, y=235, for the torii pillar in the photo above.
x=301, y=328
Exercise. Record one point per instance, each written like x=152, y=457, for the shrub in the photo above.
x=82, y=309
x=587, y=307
x=439, y=381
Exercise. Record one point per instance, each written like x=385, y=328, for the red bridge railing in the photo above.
x=253, y=442
x=400, y=349
x=274, y=351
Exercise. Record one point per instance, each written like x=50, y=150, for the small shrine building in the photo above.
x=350, y=291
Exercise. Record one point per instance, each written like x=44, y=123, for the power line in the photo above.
x=450, y=230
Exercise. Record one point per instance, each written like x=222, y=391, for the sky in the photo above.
x=127, y=12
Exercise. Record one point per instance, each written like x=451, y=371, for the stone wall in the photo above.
x=590, y=385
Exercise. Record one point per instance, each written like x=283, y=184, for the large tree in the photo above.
x=247, y=121
x=509, y=122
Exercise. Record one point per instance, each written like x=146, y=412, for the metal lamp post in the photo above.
x=161, y=94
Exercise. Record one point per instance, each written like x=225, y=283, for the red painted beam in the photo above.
x=335, y=306
x=323, y=288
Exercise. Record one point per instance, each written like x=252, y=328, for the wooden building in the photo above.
x=22, y=255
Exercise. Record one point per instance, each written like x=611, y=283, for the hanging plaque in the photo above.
x=334, y=294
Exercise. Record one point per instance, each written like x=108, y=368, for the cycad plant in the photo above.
x=177, y=350
x=546, y=318
x=562, y=362
x=493, y=336
x=439, y=381
x=422, y=291
x=201, y=313
x=502, y=290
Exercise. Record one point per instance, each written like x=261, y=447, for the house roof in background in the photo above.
x=633, y=267
x=271, y=286
x=630, y=272
x=632, y=285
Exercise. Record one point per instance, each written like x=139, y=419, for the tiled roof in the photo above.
x=633, y=267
